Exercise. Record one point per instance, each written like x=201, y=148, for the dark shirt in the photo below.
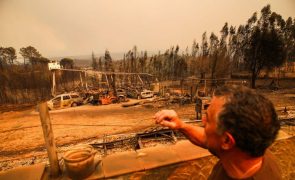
x=268, y=171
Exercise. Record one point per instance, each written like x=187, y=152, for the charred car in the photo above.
x=65, y=100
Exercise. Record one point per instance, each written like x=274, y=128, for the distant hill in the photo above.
x=115, y=56
x=82, y=63
x=85, y=60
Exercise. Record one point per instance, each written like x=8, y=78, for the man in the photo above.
x=198, y=107
x=239, y=126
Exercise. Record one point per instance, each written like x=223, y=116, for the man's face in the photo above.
x=213, y=139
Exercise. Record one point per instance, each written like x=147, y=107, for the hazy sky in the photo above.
x=78, y=27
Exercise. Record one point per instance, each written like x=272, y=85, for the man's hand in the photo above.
x=169, y=119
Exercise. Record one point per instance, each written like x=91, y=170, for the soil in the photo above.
x=22, y=141
x=21, y=133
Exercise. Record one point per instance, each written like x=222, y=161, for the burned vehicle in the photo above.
x=107, y=97
x=132, y=93
x=146, y=94
x=121, y=95
x=138, y=94
x=65, y=100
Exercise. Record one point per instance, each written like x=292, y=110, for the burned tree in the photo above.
x=264, y=45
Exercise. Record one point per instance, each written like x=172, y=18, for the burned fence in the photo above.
x=134, y=141
x=30, y=84
x=23, y=85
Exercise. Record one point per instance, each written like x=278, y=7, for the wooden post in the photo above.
x=86, y=85
x=192, y=92
x=107, y=81
x=53, y=83
x=81, y=80
x=49, y=139
x=96, y=81
x=205, y=90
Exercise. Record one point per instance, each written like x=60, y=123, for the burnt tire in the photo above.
x=121, y=99
x=74, y=104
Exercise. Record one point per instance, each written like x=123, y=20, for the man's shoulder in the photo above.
x=269, y=169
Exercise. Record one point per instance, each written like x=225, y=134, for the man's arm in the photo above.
x=170, y=119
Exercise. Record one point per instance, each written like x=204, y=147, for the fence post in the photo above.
x=49, y=139
x=81, y=80
x=86, y=85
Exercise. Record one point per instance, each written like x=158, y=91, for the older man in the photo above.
x=239, y=126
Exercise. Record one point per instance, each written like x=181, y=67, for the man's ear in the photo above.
x=228, y=141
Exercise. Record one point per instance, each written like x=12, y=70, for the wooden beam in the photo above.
x=49, y=139
x=140, y=79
